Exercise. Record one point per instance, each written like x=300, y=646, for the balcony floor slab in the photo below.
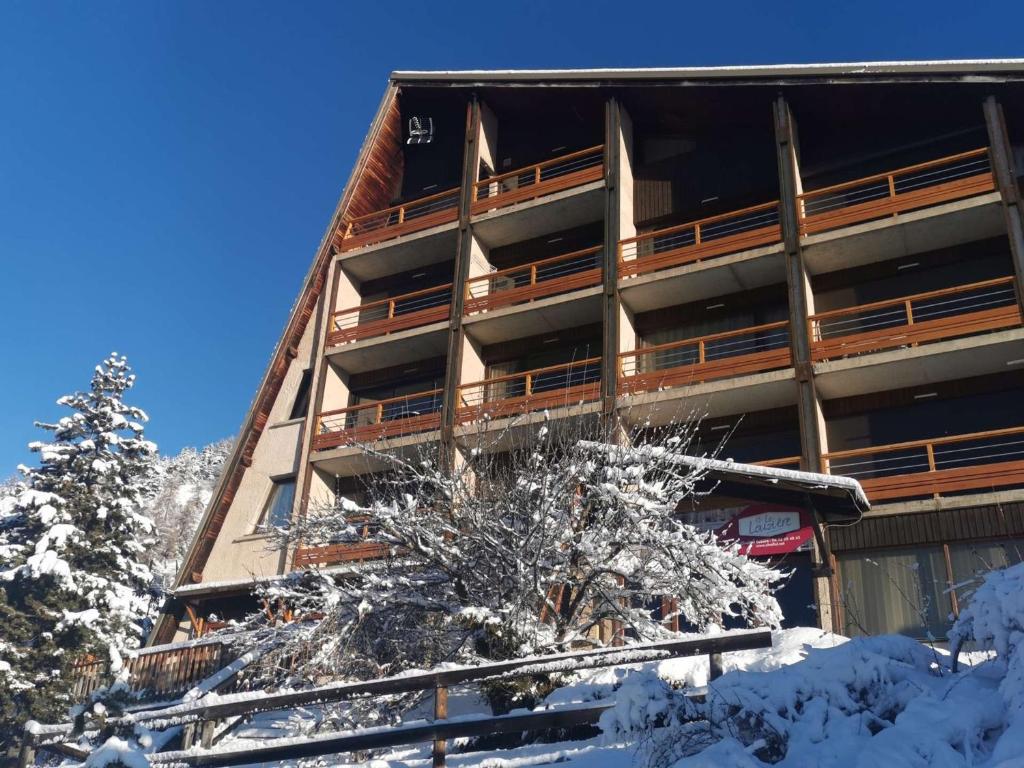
x=431, y=246
x=536, y=218
x=905, y=234
x=722, y=397
x=718, y=276
x=554, y=313
x=392, y=349
x=964, y=502
x=349, y=460
x=916, y=366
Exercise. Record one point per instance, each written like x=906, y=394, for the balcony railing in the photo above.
x=714, y=356
x=886, y=194
x=537, y=390
x=978, y=461
x=367, y=422
x=533, y=181
x=944, y=314
x=698, y=240
x=539, y=279
x=377, y=318
x=787, y=462
x=154, y=673
x=398, y=220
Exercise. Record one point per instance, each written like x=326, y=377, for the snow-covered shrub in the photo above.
x=558, y=542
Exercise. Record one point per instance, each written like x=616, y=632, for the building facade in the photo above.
x=823, y=262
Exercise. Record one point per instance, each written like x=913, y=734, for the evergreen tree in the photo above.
x=74, y=584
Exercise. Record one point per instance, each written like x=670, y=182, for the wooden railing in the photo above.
x=702, y=239
x=307, y=556
x=714, y=356
x=205, y=718
x=904, y=189
x=154, y=673
x=399, y=313
x=398, y=220
x=787, y=462
x=977, y=461
x=533, y=181
x=536, y=390
x=377, y=420
x=963, y=310
x=536, y=280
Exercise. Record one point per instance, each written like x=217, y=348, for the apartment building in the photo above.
x=824, y=262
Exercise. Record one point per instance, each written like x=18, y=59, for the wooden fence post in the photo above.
x=27, y=753
x=440, y=713
x=717, y=666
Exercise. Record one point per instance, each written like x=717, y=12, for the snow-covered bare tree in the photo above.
x=74, y=583
x=558, y=543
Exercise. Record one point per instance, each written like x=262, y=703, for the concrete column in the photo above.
x=464, y=257
x=1001, y=154
x=618, y=223
x=812, y=428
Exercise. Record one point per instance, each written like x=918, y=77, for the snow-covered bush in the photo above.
x=74, y=583
x=559, y=542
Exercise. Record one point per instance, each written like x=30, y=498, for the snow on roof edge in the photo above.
x=949, y=66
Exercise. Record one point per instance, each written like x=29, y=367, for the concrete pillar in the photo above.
x=464, y=257
x=1001, y=154
x=618, y=223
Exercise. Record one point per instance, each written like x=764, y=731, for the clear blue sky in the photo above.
x=167, y=169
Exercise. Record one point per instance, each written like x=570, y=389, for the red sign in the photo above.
x=765, y=529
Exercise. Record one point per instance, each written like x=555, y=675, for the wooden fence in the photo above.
x=201, y=719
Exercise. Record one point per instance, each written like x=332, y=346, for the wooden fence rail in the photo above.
x=416, y=215
x=536, y=280
x=962, y=310
x=439, y=681
x=706, y=238
x=533, y=390
x=399, y=313
x=379, y=419
x=702, y=358
x=886, y=194
x=976, y=461
x=544, y=178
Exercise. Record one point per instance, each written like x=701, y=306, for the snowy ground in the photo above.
x=844, y=690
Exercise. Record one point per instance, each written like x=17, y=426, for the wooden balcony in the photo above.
x=404, y=219
x=335, y=554
x=904, y=189
x=963, y=310
x=533, y=181
x=537, y=390
x=981, y=461
x=154, y=673
x=714, y=356
x=699, y=240
x=400, y=313
x=378, y=420
x=536, y=280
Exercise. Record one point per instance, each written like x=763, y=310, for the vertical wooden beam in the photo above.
x=463, y=257
x=610, y=296
x=797, y=286
x=1001, y=155
x=440, y=713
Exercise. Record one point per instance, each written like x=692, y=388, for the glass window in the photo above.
x=972, y=559
x=301, y=404
x=278, y=512
x=899, y=591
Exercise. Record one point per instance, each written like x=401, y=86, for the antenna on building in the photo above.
x=421, y=130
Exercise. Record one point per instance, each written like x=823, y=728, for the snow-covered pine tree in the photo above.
x=74, y=584
x=509, y=553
